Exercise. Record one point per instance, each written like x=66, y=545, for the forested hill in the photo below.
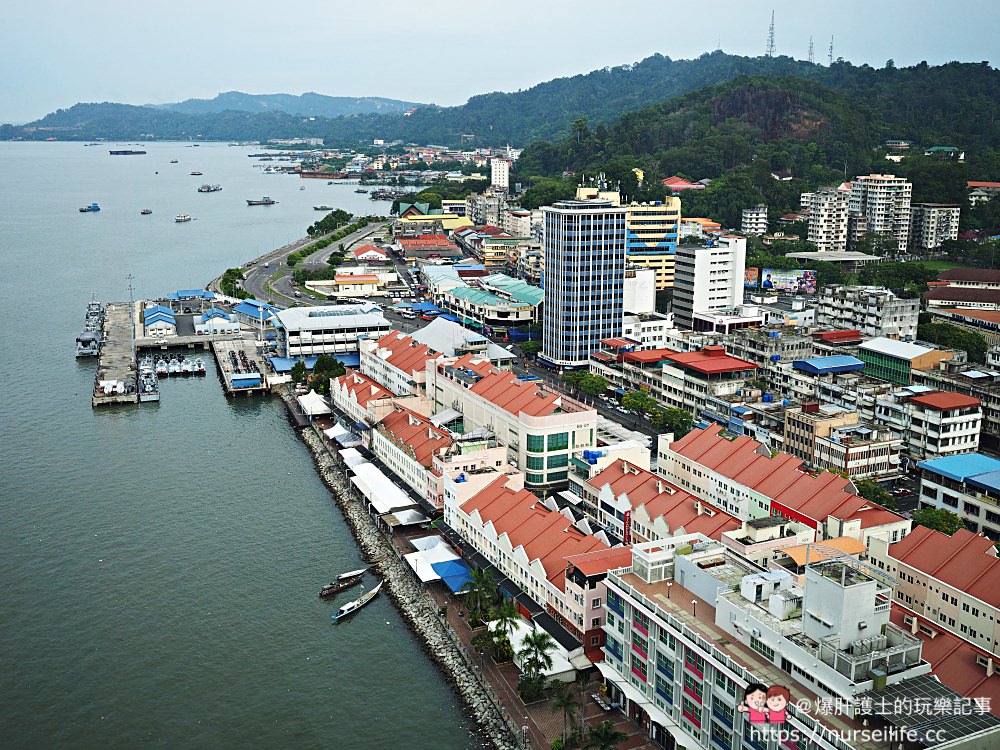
x=957, y=102
x=309, y=104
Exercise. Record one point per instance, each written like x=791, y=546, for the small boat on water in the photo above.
x=89, y=209
x=181, y=218
x=360, y=190
x=344, y=581
x=302, y=187
x=264, y=201
x=322, y=208
x=351, y=607
x=88, y=344
x=330, y=182
x=187, y=367
x=210, y=188
x=146, y=211
x=173, y=161
x=197, y=174
x=198, y=366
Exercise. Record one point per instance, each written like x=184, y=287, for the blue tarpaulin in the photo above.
x=452, y=318
x=455, y=573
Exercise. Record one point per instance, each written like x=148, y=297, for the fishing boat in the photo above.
x=88, y=344
x=210, y=188
x=186, y=366
x=264, y=201
x=197, y=174
x=173, y=161
x=174, y=367
x=161, y=367
x=146, y=211
x=199, y=366
x=89, y=209
x=351, y=607
x=360, y=190
x=344, y=581
x=149, y=389
x=181, y=218
x=322, y=208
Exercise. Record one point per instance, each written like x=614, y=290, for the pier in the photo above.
x=115, y=382
x=240, y=368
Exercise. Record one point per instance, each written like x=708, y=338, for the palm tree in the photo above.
x=481, y=592
x=535, y=652
x=604, y=736
x=505, y=617
x=564, y=700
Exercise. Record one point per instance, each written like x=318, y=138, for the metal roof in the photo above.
x=894, y=348
x=959, y=468
x=831, y=364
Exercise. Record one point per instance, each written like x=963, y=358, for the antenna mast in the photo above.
x=812, y=55
x=770, y=38
x=830, y=53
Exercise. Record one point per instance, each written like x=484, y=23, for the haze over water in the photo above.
x=160, y=562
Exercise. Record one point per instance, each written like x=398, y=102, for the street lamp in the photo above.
x=524, y=732
x=694, y=607
x=669, y=586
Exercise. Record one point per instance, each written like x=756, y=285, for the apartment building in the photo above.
x=541, y=427
x=824, y=436
x=884, y=201
x=584, y=279
x=754, y=220
x=500, y=173
x=691, y=378
x=827, y=212
x=872, y=310
x=951, y=581
x=967, y=485
x=931, y=224
x=896, y=361
x=932, y=424
x=628, y=368
x=708, y=277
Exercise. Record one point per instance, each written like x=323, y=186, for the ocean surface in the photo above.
x=159, y=563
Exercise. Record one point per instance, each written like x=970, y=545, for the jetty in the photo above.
x=240, y=369
x=115, y=382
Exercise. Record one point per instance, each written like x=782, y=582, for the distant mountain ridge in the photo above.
x=309, y=104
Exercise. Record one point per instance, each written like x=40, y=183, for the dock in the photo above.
x=240, y=369
x=115, y=382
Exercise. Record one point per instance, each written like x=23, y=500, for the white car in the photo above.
x=160, y=341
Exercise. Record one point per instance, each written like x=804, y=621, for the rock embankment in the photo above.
x=412, y=601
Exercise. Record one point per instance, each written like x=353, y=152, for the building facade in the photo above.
x=827, y=211
x=754, y=220
x=708, y=277
x=884, y=201
x=875, y=311
x=651, y=237
x=933, y=223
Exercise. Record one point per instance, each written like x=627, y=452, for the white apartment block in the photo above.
x=932, y=424
x=500, y=173
x=873, y=310
x=827, y=210
x=884, y=201
x=933, y=223
x=708, y=277
x=754, y=220
x=966, y=485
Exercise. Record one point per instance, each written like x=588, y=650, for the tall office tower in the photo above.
x=584, y=279
x=708, y=277
x=884, y=201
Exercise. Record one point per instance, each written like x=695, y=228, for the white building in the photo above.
x=500, y=173
x=827, y=211
x=639, y=291
x=330, y=330
x=933, y=223
x=755, y=220
x=932, y=423
x=708, y=277
x=884, y=201
x=873, y=310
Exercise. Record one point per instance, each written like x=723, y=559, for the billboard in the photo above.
x=751, y=277
x=796, y=281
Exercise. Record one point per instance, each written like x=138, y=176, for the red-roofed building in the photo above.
x=636, y=505
x=971, y=278
x=584, y=613
x=526, y=541
x=396, y=361
x=982, y=192
x=360, y=397
x=934, y=424
x=628, y=368
x=678, y=184
x=838, y=338
x=689, y=379
x=742, y=477
x=370, y=254
x=951, y=581
x=406, y=443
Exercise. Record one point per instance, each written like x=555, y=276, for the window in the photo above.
x=595, y=603
x=535, y=462
x=640, y=644
x=692, y=712
x=720, y=737
x=692, y=686
x=536, y=443
x=558, y=461
x=762, y=648
x=668, y=640
x=723, y=711
x=639, y=667
x=665, y=665
x=557, y=442
x=534, y=478
x=595, y=622
x=663, y=688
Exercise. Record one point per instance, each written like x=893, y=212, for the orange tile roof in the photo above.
x=647, y=356
x=663, y=500
x=360, y=278
x=359, y=251
x=710, y=360
x=544, y=535
x=417, y=432
x=515, y=396
x=965, y=560
x=846, y=544
x=602, y=560
x=987, y=316
x=404, y=353
x=981, y=184
x=946, y=400
x=364, y=389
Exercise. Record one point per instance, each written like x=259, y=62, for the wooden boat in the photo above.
x=344, y=581
x=351, y=607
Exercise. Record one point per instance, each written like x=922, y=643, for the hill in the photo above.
x=309, y=104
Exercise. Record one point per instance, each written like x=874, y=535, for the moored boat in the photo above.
x=146, y=211
x=322, y=208
x=181, y=218
x=89, y=209
x=197, y=174
x=351, y=607
x=88, y=344
x=210, y=188
x=344, y=581
x=198, y=366
x=264, y=201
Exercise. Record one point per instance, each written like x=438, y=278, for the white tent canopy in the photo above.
x=313, y=404
x=336, y=431
x=427, y=542
x=351, y=457
x=422, y=560
x=381, y=491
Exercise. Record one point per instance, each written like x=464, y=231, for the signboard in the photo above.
x=627, y=520
x=797, y=281
x=751, y=277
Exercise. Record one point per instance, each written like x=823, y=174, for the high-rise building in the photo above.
x=584, y=279
x=651, y=238
x=933, y=223
x=500, y=173
x=708, y=277
x=884, y=201
x=755, y=220
x=827, y=210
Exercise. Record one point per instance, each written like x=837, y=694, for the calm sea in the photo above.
x=159, y=563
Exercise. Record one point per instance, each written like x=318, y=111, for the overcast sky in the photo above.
x=55, y=53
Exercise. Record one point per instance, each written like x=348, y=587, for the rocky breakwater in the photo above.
x=413, y=602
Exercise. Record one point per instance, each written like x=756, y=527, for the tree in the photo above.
x=535, y=659
x=639, y=401
x=505, y=617
x=531, y=348
x=604, y=736
x=573, y=378
x=677, y=421
x=938, y=519
x=564, y=699
x=298, y=372
x=874, y=492
x=480, y=593
x=593, y=385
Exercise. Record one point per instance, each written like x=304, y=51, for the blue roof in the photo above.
x=214, y=313
x=455, y=573
x=246, y=380
x=157, y=309
x=159, y=317
x=825, y=365
x=191, y=294
x=426, y=307
x=252, y=308
x=961, y=467
x=282, y=365
x=989, y=480
x=348, y=360
x=452, y=318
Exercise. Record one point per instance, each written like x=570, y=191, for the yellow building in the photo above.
x=651, y=237
x=448, y=222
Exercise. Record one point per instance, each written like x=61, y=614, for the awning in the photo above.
x=405, y=518
x=351, y=457
x=454, y=573
x=313, y=404
x=336, y=431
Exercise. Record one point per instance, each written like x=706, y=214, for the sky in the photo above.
x=55, y=53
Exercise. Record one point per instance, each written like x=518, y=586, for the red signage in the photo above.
x=627, y=536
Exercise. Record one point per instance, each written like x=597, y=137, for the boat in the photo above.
x=302, y=187
x=88, y=344
x=126, y=153
x=322, y=208
x=330, y=182
x=149, y=389
x=186, y=366
x=173, y=161
x=146, y=211
x=182, y=217
x=197, y=174
x=210, y=188
x=198, y=366
x=360, y=190
x=344, y=581
x=351, y=607
x=161, y=367
x=89, y=209
x=264, y=201
x=173, y=366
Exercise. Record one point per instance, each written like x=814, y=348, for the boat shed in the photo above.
x=159, y=321
x=831, y=365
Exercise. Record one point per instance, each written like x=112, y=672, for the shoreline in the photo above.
x=412, y=601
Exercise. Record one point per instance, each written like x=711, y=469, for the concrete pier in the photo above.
x=238, y=380
x=116, y=369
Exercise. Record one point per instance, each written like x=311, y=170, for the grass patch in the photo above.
x=941, y=265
